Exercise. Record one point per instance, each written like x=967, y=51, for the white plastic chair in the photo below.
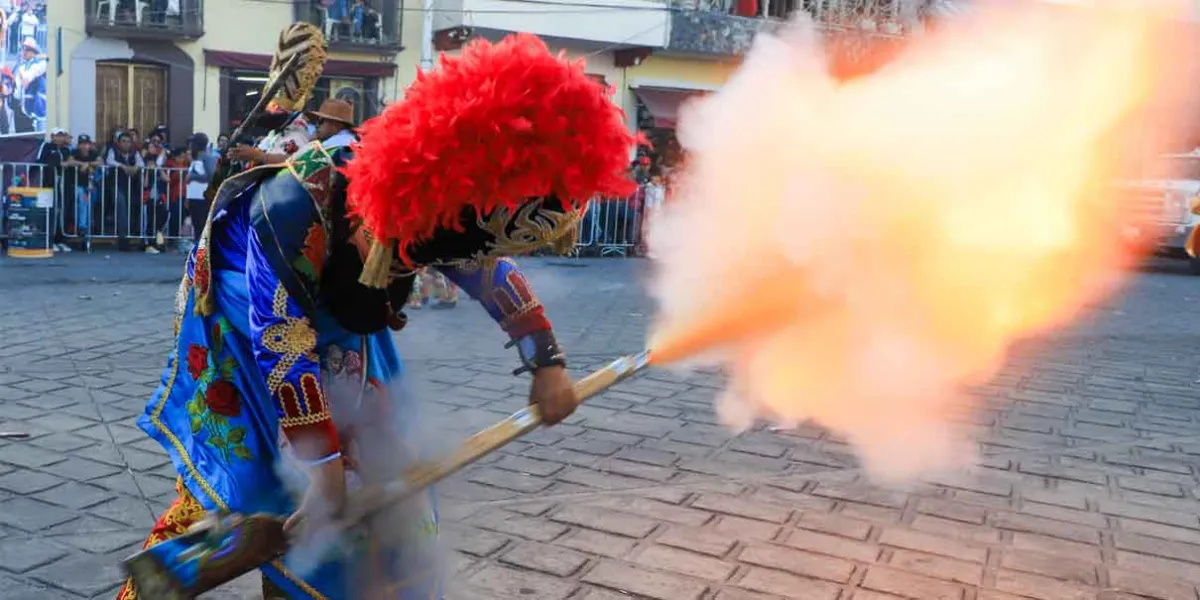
x=138, y=7
x=111, y=6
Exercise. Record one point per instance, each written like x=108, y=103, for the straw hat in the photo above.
x=335, y=110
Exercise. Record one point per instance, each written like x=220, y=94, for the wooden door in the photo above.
x=112, y=100
x=149, y=92
x=129, y=95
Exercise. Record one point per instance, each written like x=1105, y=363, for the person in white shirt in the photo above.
x=29, y=23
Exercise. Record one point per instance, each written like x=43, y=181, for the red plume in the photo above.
x=490, y=128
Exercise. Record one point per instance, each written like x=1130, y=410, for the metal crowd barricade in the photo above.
x=611, y=226
x=131, y=207
x=108, y=203
x=20, y=174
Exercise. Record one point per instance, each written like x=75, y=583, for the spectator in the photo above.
x=136, y=136
x=31, y=87
x=641, y=170
x=78, y=175
x=358, y=14
x=12, y=28
x=29, y=23
x=222, y=143
x=201, y=170
x=8, y=90
x=335, y=123
x=123, y=184
x=167, y=210
x=163, y=134
x=430, y=286
x=158, y=12
x=154, y=154
x=51, y=156
x=653, y=196
x=336, y=13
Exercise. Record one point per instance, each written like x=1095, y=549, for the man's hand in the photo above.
x=553, y=393
x=247, y=154
x=325, y=497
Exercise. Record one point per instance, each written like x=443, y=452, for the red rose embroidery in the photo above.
x=197, y=360
x=201, y=276
x=222, y=398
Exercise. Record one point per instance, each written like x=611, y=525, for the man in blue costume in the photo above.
x=298, y=282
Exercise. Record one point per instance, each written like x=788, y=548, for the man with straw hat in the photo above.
x=335, y=123
x=31, y=85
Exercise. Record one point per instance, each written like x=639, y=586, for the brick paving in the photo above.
x=1089, y=484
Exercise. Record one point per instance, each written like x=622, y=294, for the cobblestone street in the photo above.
x=1089, y=486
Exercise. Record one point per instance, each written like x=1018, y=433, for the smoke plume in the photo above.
x=855, y=252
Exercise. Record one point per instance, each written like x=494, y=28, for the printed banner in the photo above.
x=24, y=67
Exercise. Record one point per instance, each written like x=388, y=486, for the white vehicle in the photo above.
x=1160, y=211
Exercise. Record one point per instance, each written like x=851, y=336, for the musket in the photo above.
x=229, y=546
x=269, y=92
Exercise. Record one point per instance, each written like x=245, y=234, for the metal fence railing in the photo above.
x=149, y=207
x=135, y=207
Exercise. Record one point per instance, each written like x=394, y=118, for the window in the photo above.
x=350, y=90
x=246, y=86
x=129, y=95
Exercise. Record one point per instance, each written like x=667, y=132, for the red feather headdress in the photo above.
x=492, y=128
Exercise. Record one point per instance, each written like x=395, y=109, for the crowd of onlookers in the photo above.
x=349, y=20
x=140, y=189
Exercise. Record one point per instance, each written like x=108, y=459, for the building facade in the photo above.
x=656, y=54
x=198, y=65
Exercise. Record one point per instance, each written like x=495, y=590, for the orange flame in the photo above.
x=855, y=253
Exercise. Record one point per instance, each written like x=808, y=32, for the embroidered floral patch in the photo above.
x=201, y=276
x=197, y=360
x=216, y=400
x=312, y=257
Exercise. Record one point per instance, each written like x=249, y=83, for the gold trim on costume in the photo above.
x=190, y=465
x=292, y=340
x=532, y=227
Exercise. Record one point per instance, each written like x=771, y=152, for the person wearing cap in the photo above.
x=51, y=155
x=31, y=86
x=78, y=175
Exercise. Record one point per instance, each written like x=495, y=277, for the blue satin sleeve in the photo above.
x=285, y=348
x=505, y=293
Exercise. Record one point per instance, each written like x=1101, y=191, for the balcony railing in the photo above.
x=145, y=19
x=717, y=28
x=369, y=26
x=874, y=16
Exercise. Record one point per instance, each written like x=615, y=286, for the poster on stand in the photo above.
x=30, y=214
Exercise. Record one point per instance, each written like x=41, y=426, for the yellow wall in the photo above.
x=253, y=26
x=668, y=71
x=69, y=16
x=229, y=25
